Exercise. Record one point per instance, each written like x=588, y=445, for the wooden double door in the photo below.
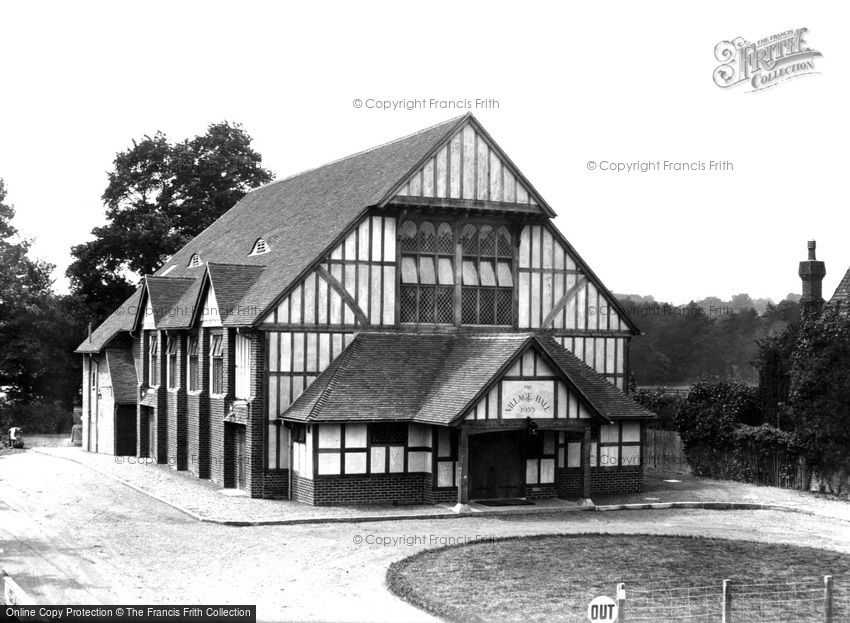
x=497, y=465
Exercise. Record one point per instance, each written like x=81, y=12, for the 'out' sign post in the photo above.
x=602, y=609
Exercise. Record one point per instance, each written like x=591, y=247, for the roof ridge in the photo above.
x=170, y=278
x=362, y=151
x=252, y=266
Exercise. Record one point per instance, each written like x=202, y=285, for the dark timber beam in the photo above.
x=585, y=468
x=337, y=287
x=463, y=473
x=489, y=426
x=562, y=303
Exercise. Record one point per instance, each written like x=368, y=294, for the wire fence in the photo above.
x=809, y=600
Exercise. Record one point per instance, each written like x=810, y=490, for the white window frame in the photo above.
x=172, y=372
x=196, y=368
x=213, y=357
x=153, y=364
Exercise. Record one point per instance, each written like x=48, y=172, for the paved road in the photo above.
x=72, y=536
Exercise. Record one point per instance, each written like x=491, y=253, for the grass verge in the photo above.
x=554, y=577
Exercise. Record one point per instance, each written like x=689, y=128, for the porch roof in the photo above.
x=435, y=378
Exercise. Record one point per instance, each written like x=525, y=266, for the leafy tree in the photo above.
x=160, y=195
x=34, y=328
x=774, y=353
x=820, y=390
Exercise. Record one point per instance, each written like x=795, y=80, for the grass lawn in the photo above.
x=554, y=577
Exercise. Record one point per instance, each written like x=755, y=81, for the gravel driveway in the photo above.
x=78, y=537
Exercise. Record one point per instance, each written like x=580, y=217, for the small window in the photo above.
x=217, y=364
x=171, y=349
x=260, y=247
x=387, y=434
x=194, y=371
x=194, y=261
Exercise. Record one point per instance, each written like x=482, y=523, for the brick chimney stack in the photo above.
x=812, y=273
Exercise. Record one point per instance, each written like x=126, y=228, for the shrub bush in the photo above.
x=661, y=404
x=712, y=411
x=36, y=418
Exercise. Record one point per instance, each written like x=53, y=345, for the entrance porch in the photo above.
x=504, y=459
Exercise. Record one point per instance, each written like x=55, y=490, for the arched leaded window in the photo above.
x=407, y=236
x=427, y=272
x=445, y=239
x=504, y=247
x=469, y=240
x=194, y=261
x=428, y=287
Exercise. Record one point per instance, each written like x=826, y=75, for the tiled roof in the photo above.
x=183, y=311
x=164, y=294
x=434, y=378
x=122, y=371
x=231, y=283
x=122, y=319
x=842, y=292
x=300, y=217
x=608, y=400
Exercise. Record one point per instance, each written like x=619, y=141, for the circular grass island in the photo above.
x=554, y=578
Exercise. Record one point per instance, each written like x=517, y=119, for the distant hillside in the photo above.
x=710, y=338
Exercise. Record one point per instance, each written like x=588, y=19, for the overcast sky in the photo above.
x=618, y=82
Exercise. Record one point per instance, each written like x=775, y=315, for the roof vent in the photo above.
x=195, y=261
x=260, y=247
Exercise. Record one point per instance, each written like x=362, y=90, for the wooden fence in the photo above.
x=662, y=451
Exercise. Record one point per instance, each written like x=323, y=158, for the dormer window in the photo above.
x=260, y=247
x=195, y=261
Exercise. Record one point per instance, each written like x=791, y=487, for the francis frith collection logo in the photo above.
x=766, y=62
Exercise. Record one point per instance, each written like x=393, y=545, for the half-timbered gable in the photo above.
x=468, y=165
x=397, y=325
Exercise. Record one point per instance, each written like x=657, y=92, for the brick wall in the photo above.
x=621, y=480
x=362, y=490
x=568, y=483
x=602, y=481
x=541, y=491
x=177, y=407
x=193, y=408
x=202, y=421
x=302, y=489
x=255, y=430
x=161, y=411
x=276, y=484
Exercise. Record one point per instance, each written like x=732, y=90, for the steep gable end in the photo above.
x=470, y=166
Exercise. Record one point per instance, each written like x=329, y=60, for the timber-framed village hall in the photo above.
x=405, y=325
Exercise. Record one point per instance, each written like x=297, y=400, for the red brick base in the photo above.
x=357, y=490
x=418, y=488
